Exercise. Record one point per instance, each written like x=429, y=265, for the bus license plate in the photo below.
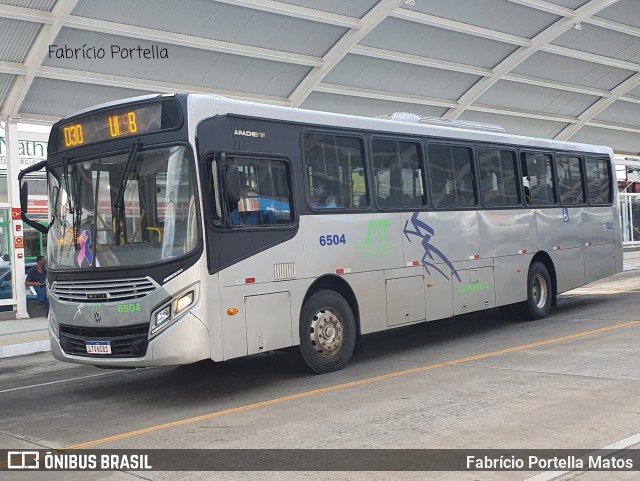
x=98, y=347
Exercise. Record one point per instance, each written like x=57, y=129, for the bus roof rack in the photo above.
x=458, y=124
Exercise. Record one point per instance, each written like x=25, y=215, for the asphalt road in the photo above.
x=478, y=381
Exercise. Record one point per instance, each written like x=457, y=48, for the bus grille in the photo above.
x=103, y=291
x=128, y=341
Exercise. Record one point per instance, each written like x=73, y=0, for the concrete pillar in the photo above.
x=17, y=229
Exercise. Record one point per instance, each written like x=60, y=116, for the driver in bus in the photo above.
x=247, y=211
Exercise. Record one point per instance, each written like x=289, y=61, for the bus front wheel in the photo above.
x=327, y=332
x=539, y=294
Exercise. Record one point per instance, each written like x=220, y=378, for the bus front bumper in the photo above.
x=185, y=342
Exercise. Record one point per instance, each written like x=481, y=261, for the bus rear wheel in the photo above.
x=539, y=294
x=327, y=332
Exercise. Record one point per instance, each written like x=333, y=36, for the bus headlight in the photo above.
x=173, y=310
x=183, y=302
x=163, y=315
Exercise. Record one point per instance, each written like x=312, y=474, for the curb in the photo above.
x=24, y=348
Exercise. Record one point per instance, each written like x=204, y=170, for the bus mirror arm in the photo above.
x=24, y=196
x=32, y=168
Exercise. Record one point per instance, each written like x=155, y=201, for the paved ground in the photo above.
x=569, y=381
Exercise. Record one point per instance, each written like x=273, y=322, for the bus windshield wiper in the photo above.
x=65, y=176
x=71, y=197
x=118, y=204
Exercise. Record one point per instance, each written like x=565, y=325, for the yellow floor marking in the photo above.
x=338, y=387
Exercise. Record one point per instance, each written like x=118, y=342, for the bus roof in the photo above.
x=204, y=106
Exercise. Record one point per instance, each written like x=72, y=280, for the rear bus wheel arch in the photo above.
x=540, y=292
x=526, y=311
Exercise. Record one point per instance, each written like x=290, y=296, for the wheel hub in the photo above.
x=326, y=332
x=540, y=291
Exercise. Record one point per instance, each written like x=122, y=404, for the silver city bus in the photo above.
x=188, y=227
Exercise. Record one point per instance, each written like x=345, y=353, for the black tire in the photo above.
x=539, y=295
x=327, y=332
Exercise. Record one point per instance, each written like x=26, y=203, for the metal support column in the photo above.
x=17, y=260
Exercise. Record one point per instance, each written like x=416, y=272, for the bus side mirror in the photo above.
x=24, y=197
x=24, y=202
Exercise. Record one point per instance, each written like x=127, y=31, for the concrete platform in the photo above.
x=19, y=337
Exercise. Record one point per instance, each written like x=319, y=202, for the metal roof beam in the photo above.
x=512, y=61
x=547, y=7
x=162, y=36
x=38, y=119
x=383, y=95
x=616, y=26
x=552, y=84
x=13, y=68
x=529, y=114
x=613, y=126
x=39, y=49
x=26, y=14
x=297, y=12
x=589, y=114
x=460, y=27
x=633, y=100
x=419, y=60
x=80, y=76
x=341, y=48
x=590, y=57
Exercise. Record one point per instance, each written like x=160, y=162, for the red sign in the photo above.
x=37, y=207
x=18, y=242
x=15, y=213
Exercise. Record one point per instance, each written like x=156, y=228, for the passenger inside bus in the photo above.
x=322, y=197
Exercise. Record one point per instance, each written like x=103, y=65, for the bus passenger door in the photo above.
x=268, y=321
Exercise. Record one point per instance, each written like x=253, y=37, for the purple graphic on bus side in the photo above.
x=85, y=248
x=422, y=230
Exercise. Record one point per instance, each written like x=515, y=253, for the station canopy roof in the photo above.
x=561, y=69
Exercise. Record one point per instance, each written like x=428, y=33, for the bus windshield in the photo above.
x=130, y=209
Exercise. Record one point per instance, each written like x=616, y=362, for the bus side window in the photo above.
x=598, y=181
x=452, y=176
x=399, y=179
x=498, y=178
x=570, y=182
x=335, y=171
x=257, y=191
x=537, y=179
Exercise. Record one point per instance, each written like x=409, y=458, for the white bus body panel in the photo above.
x=402, y=267
x=599, y=242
